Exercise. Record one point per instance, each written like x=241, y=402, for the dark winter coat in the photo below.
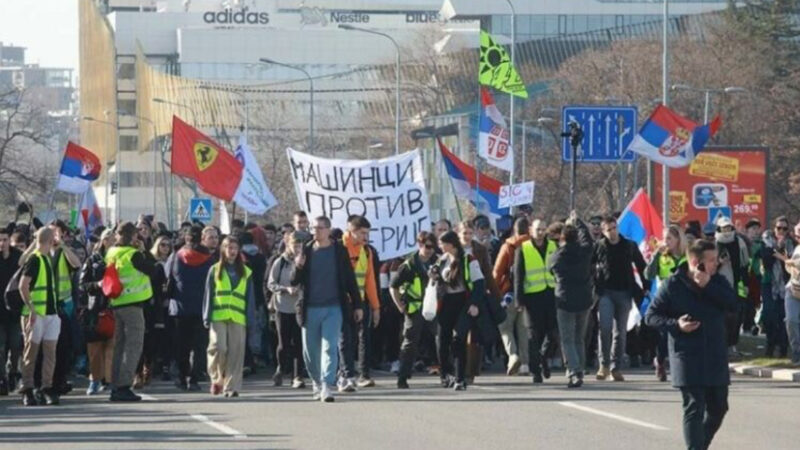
x=699, y=358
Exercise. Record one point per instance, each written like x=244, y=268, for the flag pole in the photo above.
x=455, y=197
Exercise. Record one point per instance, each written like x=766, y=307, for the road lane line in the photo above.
x=218, y=426
x=148, y=398
x=613, y=416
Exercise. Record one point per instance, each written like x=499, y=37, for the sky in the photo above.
x=49, y=30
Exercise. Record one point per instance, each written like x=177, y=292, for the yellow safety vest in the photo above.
x=361, y=272
x=136, y=286
x=667, y=265
x=64, y=280
x=537, y=277
x=412, y=291
x=230, y=304
x=40, y=287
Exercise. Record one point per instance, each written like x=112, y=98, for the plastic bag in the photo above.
x=634, y=317
x=430, y=302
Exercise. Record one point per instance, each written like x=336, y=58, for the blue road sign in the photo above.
x=200, y=209
x=607, y=132
x=715, y=212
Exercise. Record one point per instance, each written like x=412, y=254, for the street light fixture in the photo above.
x=311, y=97
x=707, y=92
x=396, y=75
x=108, y=163
x=180, y=105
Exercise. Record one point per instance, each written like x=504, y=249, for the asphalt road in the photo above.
x=497, y=412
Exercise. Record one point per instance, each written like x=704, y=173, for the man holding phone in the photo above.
x=691, y=305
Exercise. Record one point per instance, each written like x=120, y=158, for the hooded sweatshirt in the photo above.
x=505, y=261
x=188, y=268
x=371, y=286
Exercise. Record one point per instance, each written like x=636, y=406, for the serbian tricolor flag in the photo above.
x=672, y=140
x=197, y=156
x=89, y=215
x=640, y=223
x=493, y=135
x=78, y=169
x=465, y=180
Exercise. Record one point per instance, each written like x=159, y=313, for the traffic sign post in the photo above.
x=607, y=132
x=715, y=212
x=200, y=209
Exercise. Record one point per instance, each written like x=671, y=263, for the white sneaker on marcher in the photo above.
x=524, y=370
x=325, y=395
x=315, y=391
x=395, y=367
x=513, y=365
x=348, y=385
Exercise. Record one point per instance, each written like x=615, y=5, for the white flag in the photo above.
x=493, y=142
x=252, y=195
x=224, y=219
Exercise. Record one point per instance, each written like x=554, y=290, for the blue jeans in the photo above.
x=772, y=316
x=321, y=343
x=612, y=315
x=793, y=324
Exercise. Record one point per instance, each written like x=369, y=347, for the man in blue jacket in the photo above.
x=188, y=268
x=691, y=306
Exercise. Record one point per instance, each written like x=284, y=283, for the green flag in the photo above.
x=496, y=69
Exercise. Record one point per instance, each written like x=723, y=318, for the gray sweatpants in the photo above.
x=128, y=340
x=612, y=315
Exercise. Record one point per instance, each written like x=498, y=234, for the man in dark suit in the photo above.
x=691, y=305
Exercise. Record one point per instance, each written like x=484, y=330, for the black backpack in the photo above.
x=12, y=295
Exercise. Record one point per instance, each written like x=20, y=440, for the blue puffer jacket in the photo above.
x=188, y=269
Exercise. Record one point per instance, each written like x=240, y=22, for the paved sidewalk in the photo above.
x=775, y=373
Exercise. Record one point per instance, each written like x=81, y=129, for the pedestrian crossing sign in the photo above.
x=200, y=209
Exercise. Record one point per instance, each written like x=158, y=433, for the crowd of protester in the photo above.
x=319, y=305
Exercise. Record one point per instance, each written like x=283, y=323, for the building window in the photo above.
x=128, y=143
x=562, y=24
x=126, y=106
x=126, y=71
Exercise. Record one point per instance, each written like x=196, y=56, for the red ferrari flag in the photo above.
x=197, y=156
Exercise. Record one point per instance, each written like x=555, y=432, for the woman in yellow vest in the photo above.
x=228, y=303
x=670, y=255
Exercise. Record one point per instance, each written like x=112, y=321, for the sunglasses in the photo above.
x=320, y=228
x=429, y=246
x=595, y=224
x=782, y=228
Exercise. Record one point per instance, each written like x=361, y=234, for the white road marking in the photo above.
x=218, y=426
x=613, y=416
x=148, y=398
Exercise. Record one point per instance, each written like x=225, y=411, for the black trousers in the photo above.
x=540, y=320
x=450, y=343
x=386, y=337
x=703, y=411
x=191, y=339
x=413, y=325
x=290, y=345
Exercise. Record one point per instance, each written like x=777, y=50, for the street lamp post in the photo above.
x=511, y=96
x=707, y=94
x=665, y=102
x=396, y=76
x=155, y=156
x=311, y=97
x=108, y=178
x=194, y=122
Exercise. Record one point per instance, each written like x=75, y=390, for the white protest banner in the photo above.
x=389, y=192
x=516, y=194
x=252, y=195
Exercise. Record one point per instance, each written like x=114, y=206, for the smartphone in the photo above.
x=701, y=267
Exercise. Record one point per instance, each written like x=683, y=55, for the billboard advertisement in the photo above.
x=721, y=181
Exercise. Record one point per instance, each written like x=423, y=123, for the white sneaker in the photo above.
x=347, y=385
x=395, y=367
x=325, y=395
x=513, y=365
x=315, y=391
x=524, y=370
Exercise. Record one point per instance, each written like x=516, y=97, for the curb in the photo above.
x=766, y=372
